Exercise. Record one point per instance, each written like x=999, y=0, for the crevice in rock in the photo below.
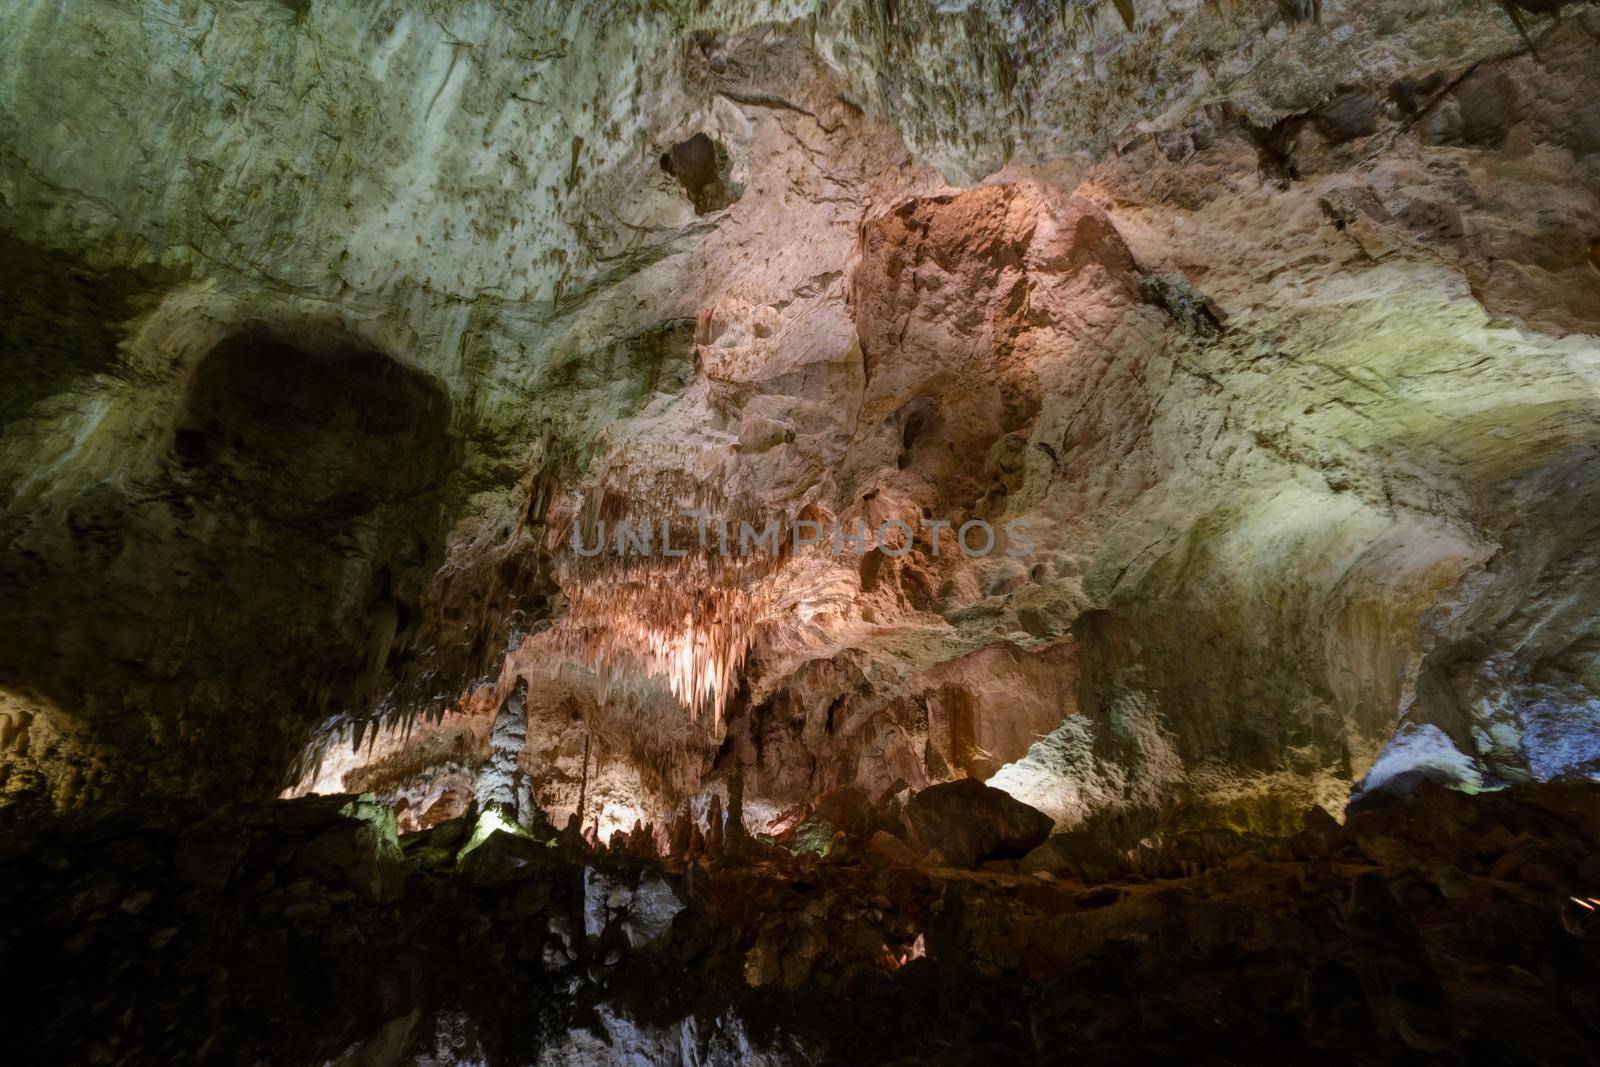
x=702, y=167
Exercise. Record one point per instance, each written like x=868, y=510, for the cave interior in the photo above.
x=844, y=531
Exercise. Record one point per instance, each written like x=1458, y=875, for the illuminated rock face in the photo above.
x=1290, y=392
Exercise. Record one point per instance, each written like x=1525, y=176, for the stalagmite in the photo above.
x=572, y=839
x=682, y=829
x=736, y=836
x=714, y=830
x=501, y=785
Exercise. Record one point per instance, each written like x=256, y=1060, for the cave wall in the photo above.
x=1278, y=335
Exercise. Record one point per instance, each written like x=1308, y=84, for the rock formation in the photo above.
x=933, y=450
x=1438, y=926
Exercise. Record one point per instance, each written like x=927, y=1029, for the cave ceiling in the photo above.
x=328, y=324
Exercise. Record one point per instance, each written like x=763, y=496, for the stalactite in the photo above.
x=672, y=591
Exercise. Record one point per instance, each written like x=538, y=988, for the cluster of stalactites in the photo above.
x=657, y=581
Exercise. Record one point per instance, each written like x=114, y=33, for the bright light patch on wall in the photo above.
x=489, y=820
x=615, y=817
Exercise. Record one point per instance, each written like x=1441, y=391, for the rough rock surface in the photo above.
x=966, y=821
x=1263, y=335
x=1437, y=927
x=1274, y=324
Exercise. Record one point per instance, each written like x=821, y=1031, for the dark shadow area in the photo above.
x=184, y=631
x=1439, y=928
x=701, y=167
x=298, y=438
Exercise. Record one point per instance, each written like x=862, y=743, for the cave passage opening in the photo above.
x=701, y=165
x=261, y=570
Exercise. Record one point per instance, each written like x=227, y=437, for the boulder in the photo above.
x=448, y=835
x=1320, y=835
x=844, y=809
x=358, y=852
x=967, y=821
x=505, y=858
x=637, y=900
x=1075, y=855
x=885, y=849
x=650, y=910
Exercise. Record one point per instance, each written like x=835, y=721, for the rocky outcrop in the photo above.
x=966, y=821
x=297, y=931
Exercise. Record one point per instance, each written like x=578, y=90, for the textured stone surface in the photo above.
x=967, y=821
x=1266, y=333
x=1439, y=925
x=1278, y=333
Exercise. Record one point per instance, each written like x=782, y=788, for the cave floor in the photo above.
x=1439, y=927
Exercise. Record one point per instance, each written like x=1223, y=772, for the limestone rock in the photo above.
x=505, y=858
x=1078, y=856
x=845, y=809
x=967, y=821
x=883, y=847
x=636, y=901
